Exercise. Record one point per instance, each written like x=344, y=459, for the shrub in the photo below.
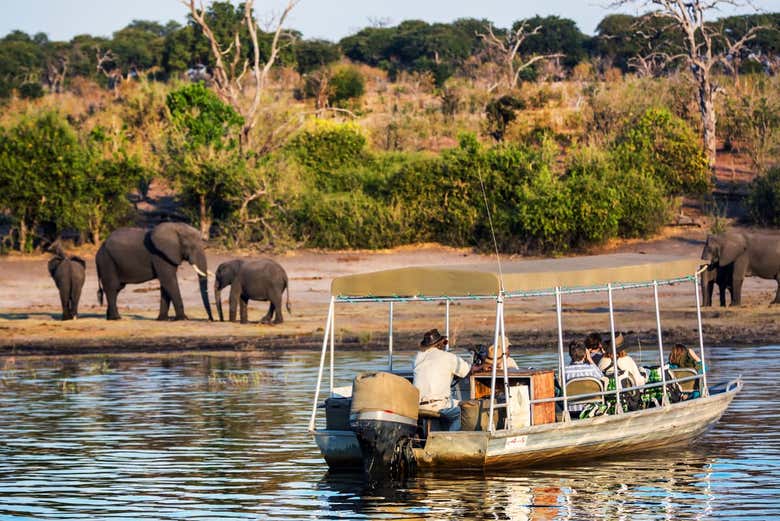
x=663, y=145
x=346, y=84
x=345, y=220
x=545, y=219
x=325, y=147
x=643, y=202
x=596, y=207
x=764, y=198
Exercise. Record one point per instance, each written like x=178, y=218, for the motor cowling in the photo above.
x=383, y=415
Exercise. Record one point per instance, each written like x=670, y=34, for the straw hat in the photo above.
x=618, y=342
x=500, y=354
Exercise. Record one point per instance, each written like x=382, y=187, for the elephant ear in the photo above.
x=165, y=238
x=54, y=263
x=79, y=260
x=731, y=247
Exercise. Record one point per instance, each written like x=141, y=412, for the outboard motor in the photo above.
x=383, y=415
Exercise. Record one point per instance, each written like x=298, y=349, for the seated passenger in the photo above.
x=595, y=348
x=579, y=368
x=682, y=357
x=433, y=371
x=626, y=364
x=488, y=365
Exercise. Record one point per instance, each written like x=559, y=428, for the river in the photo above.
x=224, y=436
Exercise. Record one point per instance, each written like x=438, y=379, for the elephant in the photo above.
x=723, y=277
x=751, y=254
x=262, y=279
x=135, y=255
x=69, y=274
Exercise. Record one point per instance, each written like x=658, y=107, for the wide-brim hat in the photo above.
x=433, y=338
x=500, y=354
x=618, y=341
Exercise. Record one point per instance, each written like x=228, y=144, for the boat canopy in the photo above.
x=469, y=280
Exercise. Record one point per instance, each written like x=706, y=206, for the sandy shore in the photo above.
x=30, y=325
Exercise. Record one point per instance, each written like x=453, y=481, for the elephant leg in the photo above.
x=75, y=296
x=112, y=313
x=722, y=291
x=267, y=318
x=235, y=295
x=777, y=295
x=65, y=301
x=244, y=303
x=276, y=304
x=168, y=283
x=708, y=291
x=165, y=304
x=736, y=293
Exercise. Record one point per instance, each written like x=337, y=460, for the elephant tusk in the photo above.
x=211, y=274
x=197, y=270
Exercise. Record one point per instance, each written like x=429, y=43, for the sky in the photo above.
x=328, y=19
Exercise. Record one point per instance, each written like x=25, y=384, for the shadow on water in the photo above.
x=207, y=436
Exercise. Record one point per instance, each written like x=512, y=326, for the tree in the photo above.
x=205, y=160
x=230, y=65
x=507, y=48
x=700, y=51
x=38, y=158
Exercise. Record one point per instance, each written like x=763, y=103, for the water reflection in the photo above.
x=224, y=436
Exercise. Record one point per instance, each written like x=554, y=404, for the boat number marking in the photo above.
x=516, y=442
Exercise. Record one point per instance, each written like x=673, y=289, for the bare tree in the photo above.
x=700, y=51
x=56, y=72
x=228, y=73
x=114, y=74
x=507, y=48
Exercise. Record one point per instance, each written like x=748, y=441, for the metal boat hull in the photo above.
x=568, y=442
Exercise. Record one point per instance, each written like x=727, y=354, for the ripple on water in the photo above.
x=207, y=437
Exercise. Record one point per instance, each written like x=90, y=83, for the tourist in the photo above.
x=434, y=369
x=682, y=357
x=595, y=348
x=626, y=364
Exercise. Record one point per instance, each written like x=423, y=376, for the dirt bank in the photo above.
x=29, y=309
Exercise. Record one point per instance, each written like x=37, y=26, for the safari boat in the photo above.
x=376, y=423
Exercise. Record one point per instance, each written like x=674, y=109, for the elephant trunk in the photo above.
x=218, y=299
x=202, y=269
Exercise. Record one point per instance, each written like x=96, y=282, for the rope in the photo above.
x=492, y=230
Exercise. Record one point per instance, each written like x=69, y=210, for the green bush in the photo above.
x=764, y=198
x=596, y=205
x=345, y=220
x=665, y=146
x=346, y=84
x=326, y=147
x=643, y=202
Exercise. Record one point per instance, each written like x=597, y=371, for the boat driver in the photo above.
x=434, y=369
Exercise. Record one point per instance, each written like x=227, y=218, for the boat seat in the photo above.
x=685, y=372
x=584, y=385
x=428, y=421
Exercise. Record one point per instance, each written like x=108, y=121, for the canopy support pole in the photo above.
x=561, y=364
x=499, y=314
x=665, y=399
x=328, y=323
x=704, y=390
x=615, y=368
x=505, y=355
x=447, y=322
x=390, y=339
x=332, y=341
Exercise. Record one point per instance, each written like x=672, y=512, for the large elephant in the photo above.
x=723, y=276
x=756, y=254
x=261, y=279
x=134, y=255
x=68, y=274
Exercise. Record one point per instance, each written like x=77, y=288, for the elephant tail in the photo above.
x=287, y=304
x=100, y=292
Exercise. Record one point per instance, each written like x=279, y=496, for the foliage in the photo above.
x=346, y=84
x=764, y=199
x=500, y=113
x=664, y=146
x=326, y=146
x=202, y=118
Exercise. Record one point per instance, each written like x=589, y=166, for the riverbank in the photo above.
x=30, y=325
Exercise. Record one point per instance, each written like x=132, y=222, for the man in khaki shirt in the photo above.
x=433, y=371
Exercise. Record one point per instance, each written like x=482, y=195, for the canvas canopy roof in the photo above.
x=483, y=279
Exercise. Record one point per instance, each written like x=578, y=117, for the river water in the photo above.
x=222, y=437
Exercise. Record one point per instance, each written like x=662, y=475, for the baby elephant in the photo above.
x=261, y=279
x=68, y=273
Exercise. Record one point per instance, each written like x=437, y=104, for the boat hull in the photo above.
x=564, y=443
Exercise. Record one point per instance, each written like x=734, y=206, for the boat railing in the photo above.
x=612, y=392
